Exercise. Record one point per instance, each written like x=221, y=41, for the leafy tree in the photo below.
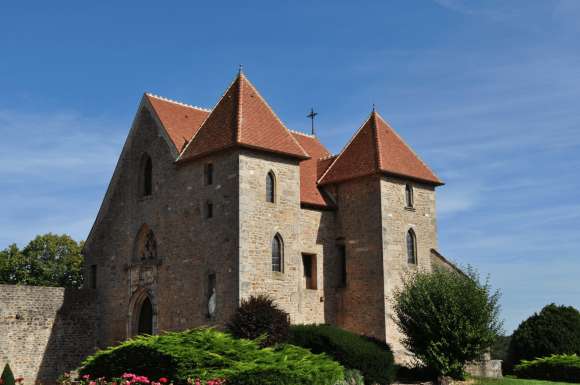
x=554, y=330
x=448, y=319
x=500, y=347
x=48, y=260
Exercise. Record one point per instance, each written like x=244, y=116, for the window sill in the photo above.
x=409, y=208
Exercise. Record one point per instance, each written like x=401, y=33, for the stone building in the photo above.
x=207, y=207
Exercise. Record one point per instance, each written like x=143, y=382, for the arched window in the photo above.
x=277, y=253
x=411, y=247
x=147, y=180
x=145, y=323
x=408, y=195
x=270, y=187
x=145, y=244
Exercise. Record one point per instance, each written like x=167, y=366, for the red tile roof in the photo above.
x=242, y=118
x=376, y=148
x=309, y=191
x=181, y=121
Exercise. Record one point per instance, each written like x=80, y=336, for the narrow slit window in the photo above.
x=277, y=253
x=409, y=195
x=147, y=176
x=209, y=174
x=411, y=247
x=270, y=187
x=209, y=210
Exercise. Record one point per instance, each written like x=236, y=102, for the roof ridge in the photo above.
x=176, y=102
x=376, y=135
x=409, y=147
x=301, y=133
x=328, y=157
x=238, y=138
x=275, y=115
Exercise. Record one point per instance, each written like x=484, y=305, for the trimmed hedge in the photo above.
x=209, y=354
x=373, y=358
x=564, y=367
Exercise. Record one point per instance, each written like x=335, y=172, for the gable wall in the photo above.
x=189, y=245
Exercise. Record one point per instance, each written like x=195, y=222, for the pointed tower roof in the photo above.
x=377, y=148
x=242, y=118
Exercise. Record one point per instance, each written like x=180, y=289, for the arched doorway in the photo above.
x=142, y=317
x=145, y=321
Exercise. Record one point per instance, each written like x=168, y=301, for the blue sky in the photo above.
x=487, y=92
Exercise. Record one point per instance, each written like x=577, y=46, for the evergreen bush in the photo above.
x=259, y=317
x=554, y=368
x=208, y=354
x=7, y=376
x=373, y=358
x=554, y=330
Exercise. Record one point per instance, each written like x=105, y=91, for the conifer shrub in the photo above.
x=209, y=354
x=260, y=318
x=7, y=376
x=373, y=358
x=564, y=367
x=554, y=330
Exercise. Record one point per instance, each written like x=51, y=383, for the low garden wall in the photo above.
x=45, y=331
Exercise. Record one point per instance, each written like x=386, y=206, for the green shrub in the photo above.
x=7, y=376
x=372, y=358
x=554, y=368
x=554, y=330
x=259, y=317
x=448, y=319
x=209, y=354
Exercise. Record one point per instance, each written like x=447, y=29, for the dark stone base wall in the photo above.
x=45, y=331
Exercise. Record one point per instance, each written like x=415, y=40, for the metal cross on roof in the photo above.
x=312, y=115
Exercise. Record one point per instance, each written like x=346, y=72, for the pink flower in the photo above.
x=163, y=380
x=128, y=375
x=93, y=383
x=86, y=377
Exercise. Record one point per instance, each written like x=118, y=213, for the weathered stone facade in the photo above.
x=203, y=236
x=45, y=331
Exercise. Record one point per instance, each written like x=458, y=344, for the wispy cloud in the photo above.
x=54, y=168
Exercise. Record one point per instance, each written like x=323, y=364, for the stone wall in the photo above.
x=396, y=221
x=45, y=331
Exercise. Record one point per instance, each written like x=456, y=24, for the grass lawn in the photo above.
x=517, y=381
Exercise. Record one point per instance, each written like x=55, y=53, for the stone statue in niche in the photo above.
x=211, y=304
x=212, y=300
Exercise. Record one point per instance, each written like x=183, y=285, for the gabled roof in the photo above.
x=376, y=148
x=309, y=192
x=242, y=118
x=181, y=121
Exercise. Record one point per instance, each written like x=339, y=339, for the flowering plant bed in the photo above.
x=130, y=379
